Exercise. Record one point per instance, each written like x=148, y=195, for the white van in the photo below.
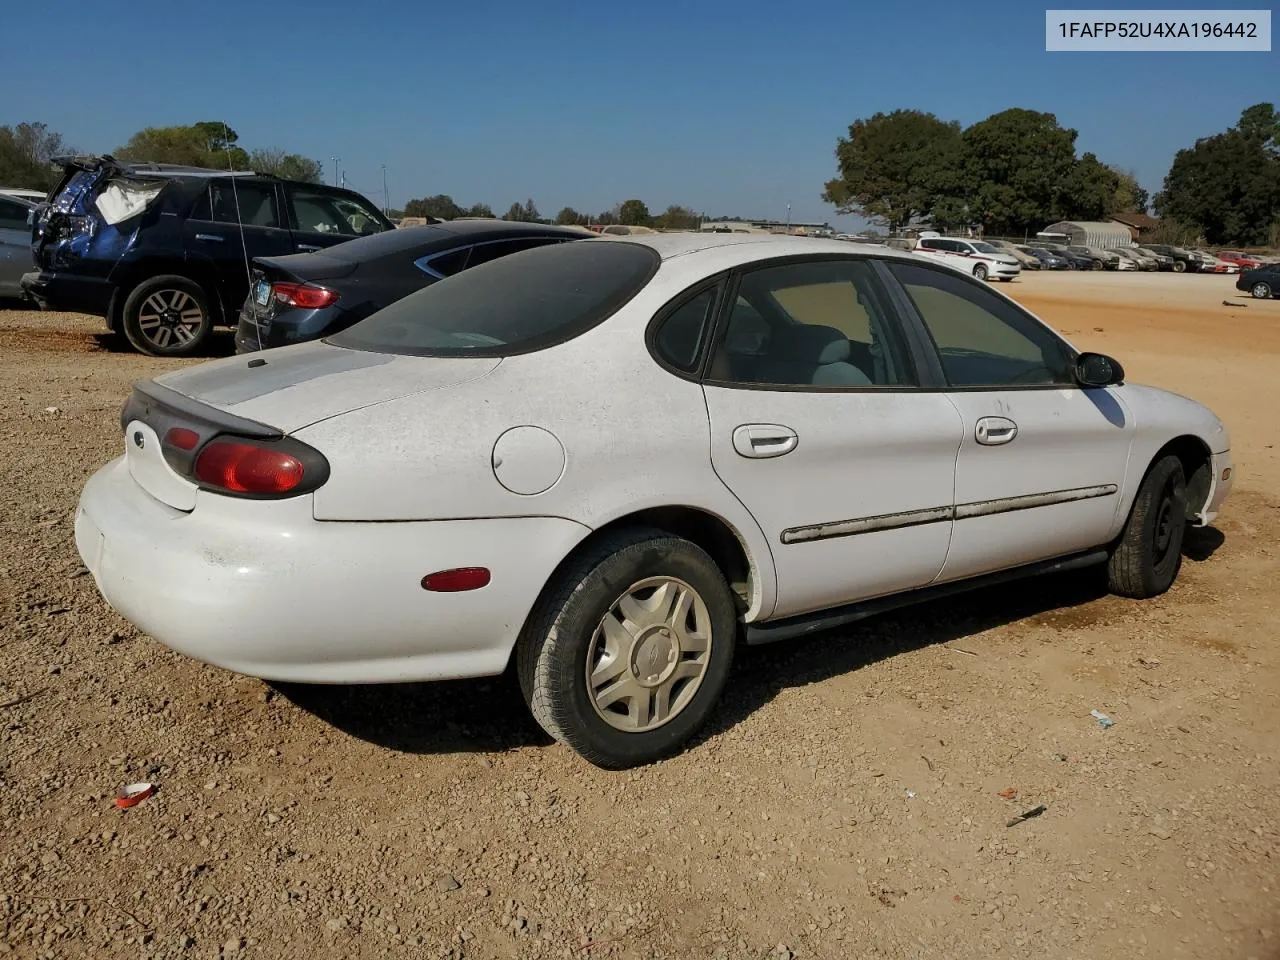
x=981, y=259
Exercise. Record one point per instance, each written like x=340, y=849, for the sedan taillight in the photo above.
x=259, y=469
x=308, y=296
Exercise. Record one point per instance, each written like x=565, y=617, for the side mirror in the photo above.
x=1098, y=370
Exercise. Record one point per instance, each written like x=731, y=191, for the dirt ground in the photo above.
x=850, y=799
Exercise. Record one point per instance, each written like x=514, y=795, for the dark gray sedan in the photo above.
x=15, y=243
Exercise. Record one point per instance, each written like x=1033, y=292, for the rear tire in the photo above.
x=980, y=272
x=1260, y=291
x=1148, y=556
x=641, y=624
x=167, y=316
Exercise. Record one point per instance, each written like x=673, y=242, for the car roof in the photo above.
x=438, y=237
x=733, y=249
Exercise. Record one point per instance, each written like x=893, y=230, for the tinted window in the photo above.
x=447, y=264
x=486, y=252
x=982, y=339
x=523, y=302
x=258, y=206
x=13, y=216
x=317, y=211
x=680, y=334
x=818, y=323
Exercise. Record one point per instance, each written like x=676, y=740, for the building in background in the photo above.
x=768, y=226
x=1088, y=233
x=1141, y=226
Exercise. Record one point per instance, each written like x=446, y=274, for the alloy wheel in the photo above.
x=649, y=654
x=1261, y=291
x=170, y=318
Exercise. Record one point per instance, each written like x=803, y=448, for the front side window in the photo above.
x=316, y=211
x=258, y=207
x=817, y=323
x=982, y=339
x=517, y=304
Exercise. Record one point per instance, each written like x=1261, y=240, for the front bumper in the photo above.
x=1004, y=271
x=61, y=291
x=262, y=588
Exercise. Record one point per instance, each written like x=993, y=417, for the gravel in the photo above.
x=845, y=801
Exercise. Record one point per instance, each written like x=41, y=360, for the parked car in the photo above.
x=1078, y=261
x=974, y=256
x=571, y=459
x=1261, y=282
x=1102, y=259
x=163, y=251
x=23, y=193
x=1163, y=260
x=1183, y=261
x=308, y=295
x=15, y=243
x=1047, y=259
x=1211, y=263
x=1025, y=260
x=1242, y=260
x=1136, y=260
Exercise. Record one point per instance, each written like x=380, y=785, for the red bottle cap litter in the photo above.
x=134, y=793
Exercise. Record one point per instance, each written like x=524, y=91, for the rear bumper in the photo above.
x=297, y=326
x=263, y=589
x=61, y=291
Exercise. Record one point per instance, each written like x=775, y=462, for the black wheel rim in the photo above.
x=1162, y=534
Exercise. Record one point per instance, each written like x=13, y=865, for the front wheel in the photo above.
x=980, y=271
x=1261, y=291
x=628, y=650
x=167, y=316
x=1179, y=266
x=1148, y=556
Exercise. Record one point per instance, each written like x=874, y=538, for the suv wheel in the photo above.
x=1148, y=556
x=1179, y=266
x=627, y=651
x=980, y=271
x=167, y=316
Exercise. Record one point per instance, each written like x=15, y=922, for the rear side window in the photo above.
x=13, y=215
x=517, y=304
x=258, y=206
x=680, y=334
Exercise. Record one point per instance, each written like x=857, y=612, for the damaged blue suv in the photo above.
x=163, y=251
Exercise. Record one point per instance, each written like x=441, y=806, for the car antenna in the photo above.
x=235, y=196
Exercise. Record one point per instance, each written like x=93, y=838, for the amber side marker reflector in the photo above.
x=456, y=580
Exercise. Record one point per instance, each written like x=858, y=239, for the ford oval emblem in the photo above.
x=139, y=440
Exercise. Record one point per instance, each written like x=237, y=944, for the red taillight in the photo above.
x=182, y=438
x=456, y=580
x=247, y=468
x=305, y=295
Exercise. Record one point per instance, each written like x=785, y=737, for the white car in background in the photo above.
x=616, y=459
x=980, y=259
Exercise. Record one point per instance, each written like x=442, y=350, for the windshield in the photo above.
x=519, y=303
x=984, y=247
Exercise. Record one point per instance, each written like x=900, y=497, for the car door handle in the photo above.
x=762, y=440
x=992, y=431
x=308, y=247
x=210, y=237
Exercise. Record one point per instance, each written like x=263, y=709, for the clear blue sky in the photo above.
x=727, y=107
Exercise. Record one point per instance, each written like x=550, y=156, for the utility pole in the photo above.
x=788, y=218
x=386, y=200
x=336, y=161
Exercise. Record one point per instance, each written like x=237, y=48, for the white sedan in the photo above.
x=616, y=459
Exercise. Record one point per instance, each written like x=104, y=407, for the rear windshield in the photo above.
x=517, y=304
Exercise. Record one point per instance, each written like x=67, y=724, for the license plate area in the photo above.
x=262, y=292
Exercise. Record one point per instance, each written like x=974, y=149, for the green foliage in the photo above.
x=608, y=217
x=523, y=213
x=1130, y=195
x=481, y=210
x=1228, y=185
x=1014, y=162
x=209, y=143
x=287, y=166
x=570, y=217
x=1088, y=191
x=677, y=218
x=634, y=213
x=441, y=206
x=25, y=152
x=895, y=166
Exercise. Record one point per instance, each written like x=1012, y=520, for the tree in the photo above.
x=209, y=143
x=440, y=206
x=26, y=150
x=1261, y=122
x=288, y=166
x=1226, y=185
x=1014, y=164
x=1088, y=192
x=677, y=218
x=523, y=213
x=1130, y=195
x=634, y=213
x=608, y=218
x=569, y=216
x=480, y=210
x=895, y=166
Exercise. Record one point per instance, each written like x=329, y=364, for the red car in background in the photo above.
x=1241, y=260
